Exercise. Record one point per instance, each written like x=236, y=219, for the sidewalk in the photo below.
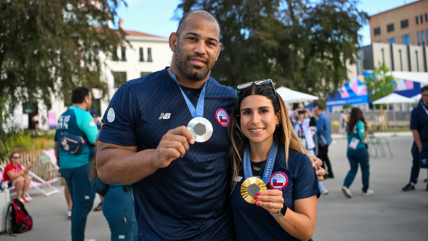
x=378, y=134
x=389, y=214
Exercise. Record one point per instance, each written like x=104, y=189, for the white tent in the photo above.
x=292, y=96
x=421, y=77
x=416, y=98
x=393, y=99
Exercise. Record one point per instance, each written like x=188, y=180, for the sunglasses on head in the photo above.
x=257, y=82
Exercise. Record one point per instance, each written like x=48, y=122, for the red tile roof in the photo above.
x=139, y=34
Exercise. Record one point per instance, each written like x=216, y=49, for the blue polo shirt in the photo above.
x=78, y=122
x=299, y=181
x=188, y=200
x=419, y=122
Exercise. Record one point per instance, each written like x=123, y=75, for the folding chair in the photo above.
x=376, y=144
x=43, y=183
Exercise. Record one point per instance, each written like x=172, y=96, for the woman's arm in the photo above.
x=13, y=175
x=367, y=130
x=299, y=223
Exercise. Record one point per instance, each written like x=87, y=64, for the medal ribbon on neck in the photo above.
x=423, y=106
x=269, y=162
x=199, y=110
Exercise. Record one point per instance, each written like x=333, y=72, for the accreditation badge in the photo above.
x=250, y=187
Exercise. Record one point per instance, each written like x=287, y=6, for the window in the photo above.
x=390, y=27
x=149, y=55
x=114, y=54
x=142, y=74
x=141, y=55
x=377, y=31
x=119, y=78
x=422, y=18
x=426, y=17
x=379, y=42
x=123, y=50
x=406, y=39
x=417, y=20
x=404, y=23
x=418, y=38
x=391, y=41
x=423, y=37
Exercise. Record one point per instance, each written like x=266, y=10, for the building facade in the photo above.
x=407, y=25
x=146, y=54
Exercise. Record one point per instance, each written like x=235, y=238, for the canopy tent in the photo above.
x=292, y=96
x=421, y=77
x=393, y=99
x=352, y=93
x=417, y=97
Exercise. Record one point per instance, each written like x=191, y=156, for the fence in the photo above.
x=37, y=167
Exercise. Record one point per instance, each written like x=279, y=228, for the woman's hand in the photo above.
x=319, y=170
x=271, y=200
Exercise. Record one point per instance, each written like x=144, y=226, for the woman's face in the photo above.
x=258, y=119
x=16, y=158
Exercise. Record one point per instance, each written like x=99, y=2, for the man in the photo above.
x=74, y=167
x=181, y=187
x=419, y=127
x=324, y=137
x=94, y=115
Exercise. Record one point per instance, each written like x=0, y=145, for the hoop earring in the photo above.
x=277, y=125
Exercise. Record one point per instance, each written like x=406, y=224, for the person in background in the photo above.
x=305, y=129
x=35, y=119
x=324, y=138
x=119, y=207
x=16, y=176
x=77, y=123
x=356, y=131
x=342, y=122
x=419, y=127
x=94, y=115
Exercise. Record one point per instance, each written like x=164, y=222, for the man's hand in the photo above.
x=319, y=170
x=173, y=145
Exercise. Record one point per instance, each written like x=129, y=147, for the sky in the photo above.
x=157, y=17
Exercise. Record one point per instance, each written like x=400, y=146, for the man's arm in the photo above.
x=320, y=126
x=124, y=165
x=417, y=138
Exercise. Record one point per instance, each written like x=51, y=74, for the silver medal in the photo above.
x=201, y=129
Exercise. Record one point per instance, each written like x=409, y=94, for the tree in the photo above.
x=49, y=47
x=8, y=129
x=304, y=45
x=380, y=83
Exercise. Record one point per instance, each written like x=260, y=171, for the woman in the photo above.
x=304, y=129
x=16, y=176
x=260, y=126
x=356, y=131
x=118, y=207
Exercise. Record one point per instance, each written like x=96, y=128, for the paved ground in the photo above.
x=389, y=214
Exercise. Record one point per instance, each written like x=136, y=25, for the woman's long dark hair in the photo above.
x=284, y=133
x=355, y=116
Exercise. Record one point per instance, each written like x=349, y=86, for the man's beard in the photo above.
x=181, y=61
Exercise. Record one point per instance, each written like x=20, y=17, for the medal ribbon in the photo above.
x=423, y=106
x=269, y=163
x=199, y=110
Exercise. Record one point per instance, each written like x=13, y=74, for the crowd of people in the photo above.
x=223, y=165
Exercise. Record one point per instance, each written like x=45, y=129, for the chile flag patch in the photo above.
x=278, y=180
x=222, y=117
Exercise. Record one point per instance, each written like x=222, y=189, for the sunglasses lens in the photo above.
x=244, y=85
x=263, y=82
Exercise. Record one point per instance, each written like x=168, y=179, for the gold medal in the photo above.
x=250, y=187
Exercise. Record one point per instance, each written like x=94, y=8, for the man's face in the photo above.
x=197, y=48
x=88, y=101
x=317, y=111
x=425, y=97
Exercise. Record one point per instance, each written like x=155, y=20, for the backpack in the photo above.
x=18, y=218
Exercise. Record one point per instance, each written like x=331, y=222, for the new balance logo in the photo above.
x=165, y=116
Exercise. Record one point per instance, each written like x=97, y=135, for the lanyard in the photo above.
x=424, y=107
x=16, y=169
x=269, y=163
x=199, y=110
